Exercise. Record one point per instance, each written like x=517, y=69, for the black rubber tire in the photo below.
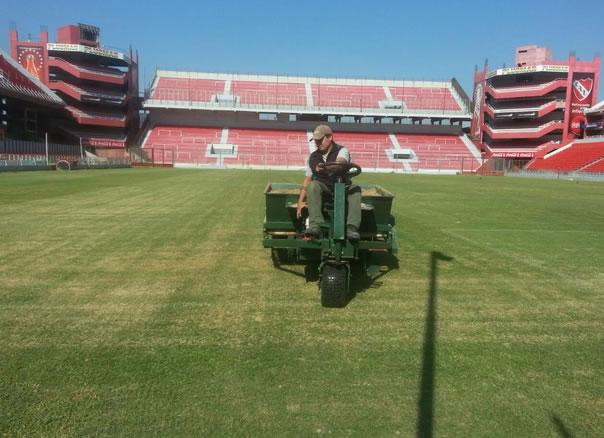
x=334, y=286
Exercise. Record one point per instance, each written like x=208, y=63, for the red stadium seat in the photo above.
x=572, y=157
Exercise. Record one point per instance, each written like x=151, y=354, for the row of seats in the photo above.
x=576, y=157
x=295, y=94
x=255, y=147
x=596, y=167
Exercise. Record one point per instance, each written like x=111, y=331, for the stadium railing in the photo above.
x=24, y=148
x=31, y=155
x=372, y=162
x=414, y=98
x=552, y=174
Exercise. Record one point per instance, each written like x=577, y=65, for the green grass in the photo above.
x=141, y=302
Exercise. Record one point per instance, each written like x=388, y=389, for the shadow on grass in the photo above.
x=362, y=276
x=367, y=276
x=425, y=401
x=562, y=429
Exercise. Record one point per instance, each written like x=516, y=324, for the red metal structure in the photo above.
x=527, y=111
x=28, y=108
x=98, y=85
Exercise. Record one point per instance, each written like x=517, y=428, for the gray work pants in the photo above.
x=314, y=201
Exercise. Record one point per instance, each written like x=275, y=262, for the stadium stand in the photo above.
x=435, y=98
x=528, y=91
x=267, y=148
x=347, y=96
x=88, y=93
x=247, y=121
x=88, y=72
x=305, y=93
x=538, y=101
x=596, y=167
x=284, y=149
x=523, y=132
x=269, y=93
x=438, y=152
x=575, y=156
x=169, y=144
x=201, y=90
x=369, y=150
x=100, y=118
x=99, y=85
x=228, y=147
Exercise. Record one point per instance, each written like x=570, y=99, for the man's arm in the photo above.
x=305, y=183
x=343, y=156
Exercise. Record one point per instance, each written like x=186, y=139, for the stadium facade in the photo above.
x=534, y=108
x=26, y=104
x=99, y=86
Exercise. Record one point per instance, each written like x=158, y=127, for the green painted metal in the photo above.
x=348, y=248
x=284, y=231
x=339, y=211
x=278, y=196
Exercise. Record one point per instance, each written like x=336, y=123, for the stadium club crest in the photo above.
x=582, y=88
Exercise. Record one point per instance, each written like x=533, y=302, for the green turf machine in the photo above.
x=340, y=265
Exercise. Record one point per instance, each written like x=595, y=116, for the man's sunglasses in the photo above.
x=319, y=140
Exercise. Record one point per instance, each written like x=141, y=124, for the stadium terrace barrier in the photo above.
x=100, y=163
x=285, y=149
x=371, y=162
x=24, y=148
x=306, y=95
x=28, y=155
x=548, y=174
x=13, y=162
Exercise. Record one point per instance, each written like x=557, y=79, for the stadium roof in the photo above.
x=37, y=93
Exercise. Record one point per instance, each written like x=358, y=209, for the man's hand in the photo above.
x=321, y=167
x=299, y=208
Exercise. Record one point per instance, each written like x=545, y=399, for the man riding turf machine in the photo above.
x=333, y=253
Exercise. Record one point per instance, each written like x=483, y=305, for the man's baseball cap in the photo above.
x=320, y=132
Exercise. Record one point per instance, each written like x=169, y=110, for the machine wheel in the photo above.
x=334, y=285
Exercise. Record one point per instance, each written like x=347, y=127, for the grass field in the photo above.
x=141, y=302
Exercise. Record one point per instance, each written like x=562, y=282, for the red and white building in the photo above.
x=28, y=108
x=584, y=154
x=538, y=106
x=98, y=85
x=252, y=121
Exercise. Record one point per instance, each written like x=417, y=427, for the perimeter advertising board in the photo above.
x=477, y=114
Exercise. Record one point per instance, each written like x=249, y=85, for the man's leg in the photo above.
x=354, y=206
x=353, y=221
x=314, y=201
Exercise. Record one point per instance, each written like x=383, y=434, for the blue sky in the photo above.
x=369, y=39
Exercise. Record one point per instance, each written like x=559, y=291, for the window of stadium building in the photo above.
x=267, y=116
